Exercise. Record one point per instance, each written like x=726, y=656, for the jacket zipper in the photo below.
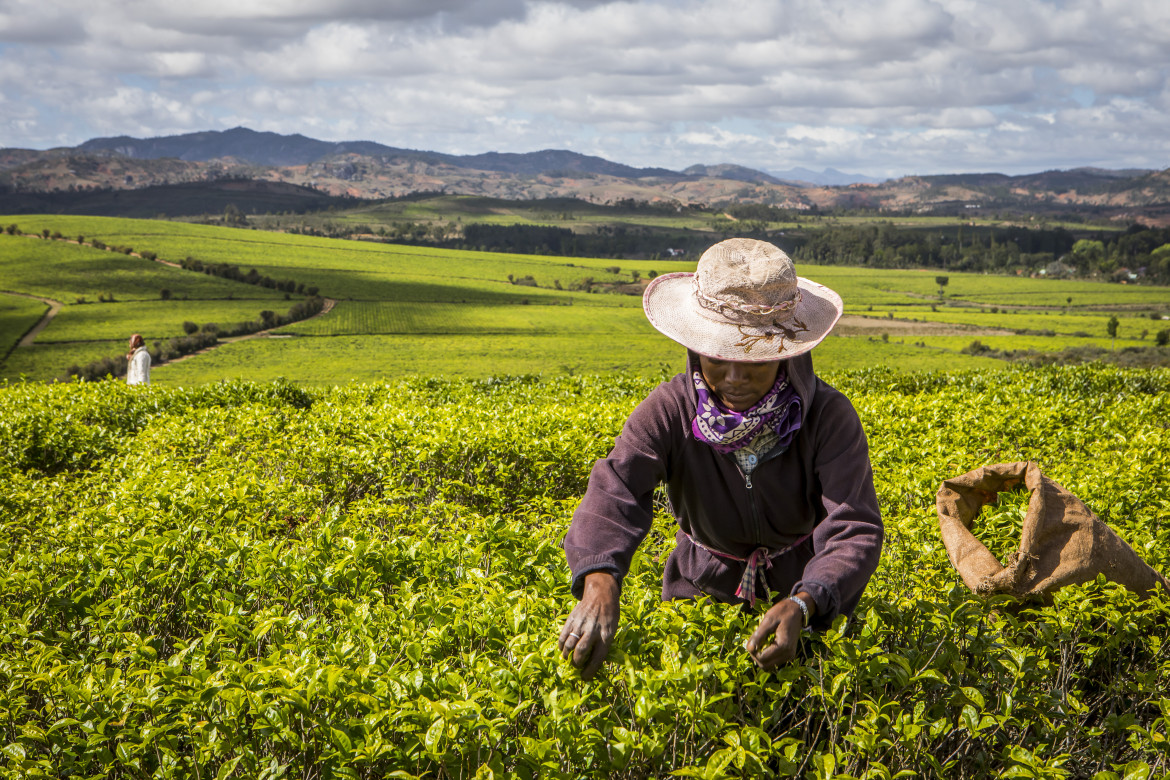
x=747, y=480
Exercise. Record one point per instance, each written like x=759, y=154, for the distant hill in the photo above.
x=276, y=150
x=174, y=200
x=368, y=170
x=829, y=177
x=737, y=173
x=239, y=143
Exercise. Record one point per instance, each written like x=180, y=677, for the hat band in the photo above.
x=741, y=312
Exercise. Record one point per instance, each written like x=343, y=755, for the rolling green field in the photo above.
x=343, y=359
x=153, y=319
x=383, y=317
x=580, y=216
x=65, y=272
x=404, y=310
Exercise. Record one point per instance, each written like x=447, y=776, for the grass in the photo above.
x=153, y=319
x=43, y=362
x=340, y=359
x=65, y=272
x=348, y=269
x=406, y=310
x=374, y=271
x=17, y=315
x=384, y=317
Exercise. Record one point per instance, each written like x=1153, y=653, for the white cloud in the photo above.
x=139, y=109
x=881, y=86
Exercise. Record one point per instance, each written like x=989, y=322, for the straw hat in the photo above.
x=744, y=302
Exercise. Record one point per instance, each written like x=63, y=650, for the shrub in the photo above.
x=976, y=347
x=190, y=327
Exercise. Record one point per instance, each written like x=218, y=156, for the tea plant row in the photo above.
x=257, y=580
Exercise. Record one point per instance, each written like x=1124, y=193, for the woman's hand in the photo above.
x=589, y=631
x=784, y=622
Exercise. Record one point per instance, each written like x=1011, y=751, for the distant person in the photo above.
x=138, y=367
x=766, y=466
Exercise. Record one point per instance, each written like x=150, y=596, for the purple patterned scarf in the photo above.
x=727, y=430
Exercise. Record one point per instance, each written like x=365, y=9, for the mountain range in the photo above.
x=292, y=164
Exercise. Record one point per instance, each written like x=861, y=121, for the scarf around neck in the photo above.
x=727, y=430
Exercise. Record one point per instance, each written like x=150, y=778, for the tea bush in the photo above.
x=244, y=580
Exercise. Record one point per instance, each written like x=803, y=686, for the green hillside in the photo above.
x=403, y=310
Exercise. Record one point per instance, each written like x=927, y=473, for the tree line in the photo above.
x=252, y=276
x=1137, y=254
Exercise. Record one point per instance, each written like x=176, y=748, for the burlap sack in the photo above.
x=1061, y=541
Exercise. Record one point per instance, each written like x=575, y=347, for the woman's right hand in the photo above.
x=589, y=631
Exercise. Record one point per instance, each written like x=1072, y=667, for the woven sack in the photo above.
x=1061, y=541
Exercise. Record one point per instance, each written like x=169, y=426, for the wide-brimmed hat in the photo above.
x=744, y=302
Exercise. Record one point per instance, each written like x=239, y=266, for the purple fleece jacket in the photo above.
x=822, y=484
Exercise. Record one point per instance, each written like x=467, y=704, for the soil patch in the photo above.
x=856, y=325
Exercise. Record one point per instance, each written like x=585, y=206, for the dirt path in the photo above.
x=328, y=307
x=856, y=325
x=54, y=307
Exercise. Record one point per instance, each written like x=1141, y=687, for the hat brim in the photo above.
x=672, y=308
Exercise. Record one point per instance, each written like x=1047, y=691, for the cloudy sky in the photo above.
x=878, y=87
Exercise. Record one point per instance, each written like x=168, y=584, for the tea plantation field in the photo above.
x=404, y=311
x=244, y=580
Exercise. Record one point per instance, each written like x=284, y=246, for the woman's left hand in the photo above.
x=784, y=622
